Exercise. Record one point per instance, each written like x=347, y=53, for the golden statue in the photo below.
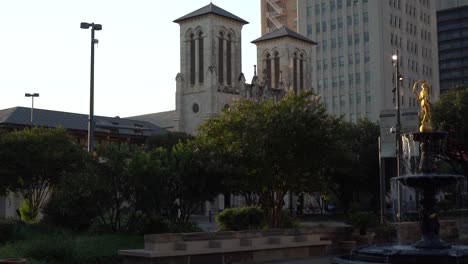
x=423, y=97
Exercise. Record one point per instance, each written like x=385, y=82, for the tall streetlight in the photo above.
x=397, y=79
x=91, y=124
x=32, y=95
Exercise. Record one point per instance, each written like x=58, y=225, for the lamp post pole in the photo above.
x=32, y=95
x=397, y=78
x=91, y=85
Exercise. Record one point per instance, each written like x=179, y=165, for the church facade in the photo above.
x=211, y=77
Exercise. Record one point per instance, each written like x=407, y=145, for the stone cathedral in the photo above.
x=211, y=77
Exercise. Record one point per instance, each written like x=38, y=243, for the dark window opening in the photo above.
x=221, y=59
x=200, y=58
x=228, y=60
x=277, y=70
x=268, y=70
x=192, y=59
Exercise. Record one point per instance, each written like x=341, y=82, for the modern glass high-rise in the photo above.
x=352, y=67
x=453, y=46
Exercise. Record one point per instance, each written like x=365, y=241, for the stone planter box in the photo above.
x=253, y=246
x=13, y=261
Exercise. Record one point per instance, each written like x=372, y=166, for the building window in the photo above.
x=340, y=41
x=309, y=30
x=324, y=44
x=334, y=62
x=192, y=59
x=268, y=69
x=366, y=36
x=301, y=72
x=351, y=79
x=358, y=98
x=349, y=20
x=277, y=70
x=341, y=61
x=200, y=58
x=195, y=108
x=357, y=78
x=339, y=4
x=221, y=58
x=342, y=101
x=324, y=26
x=229, y=60
x=333, y=43
x=356, y=39
x=325, y=83
x=357, y=58
x=356, y=19
x=295, y=72
x=333, y=24
x=340, y=22
x=350, y=59
x=317, y=27
x=366, y=56
x=367, y=77
x=309, y=11
x=350, y=40
x=341, y=81
x=365, y=17
x=334, y=82
x=325, y=64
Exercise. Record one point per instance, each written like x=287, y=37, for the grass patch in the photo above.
x=46, y=245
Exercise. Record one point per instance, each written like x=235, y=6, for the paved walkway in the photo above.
x=312, y=260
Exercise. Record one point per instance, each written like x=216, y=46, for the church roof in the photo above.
x=211, y=9
x=21, y=117
x=165, y=120
x=283, y=32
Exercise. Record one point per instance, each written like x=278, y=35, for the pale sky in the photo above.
x=43, y=50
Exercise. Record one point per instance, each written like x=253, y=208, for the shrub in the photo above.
x=362, y=221
x=243, y=218
x=288, y=221
x=72, y=204
x=7, y=230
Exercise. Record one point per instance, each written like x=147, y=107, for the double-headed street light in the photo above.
x=91, y=124
x=32, y=95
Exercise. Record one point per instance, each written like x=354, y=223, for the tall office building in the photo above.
x=356, y=39
x=452, y=26
x=276, y=14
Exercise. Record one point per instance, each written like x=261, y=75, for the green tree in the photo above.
x=34, y=160
x=173, y=182
x=274, y=146
x=167, y=140
x=449, y=113
x=352, y=171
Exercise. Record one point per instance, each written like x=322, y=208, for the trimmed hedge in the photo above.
x=7, y=230
x=243, y=218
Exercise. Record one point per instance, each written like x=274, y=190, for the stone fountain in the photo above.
x=430, y=249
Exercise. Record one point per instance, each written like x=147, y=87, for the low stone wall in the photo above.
x=228, y=247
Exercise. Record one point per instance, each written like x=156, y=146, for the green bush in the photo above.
x=243, y=218
x=288, y=221
x=362, y=221
x=7, y=230
x=72, y=204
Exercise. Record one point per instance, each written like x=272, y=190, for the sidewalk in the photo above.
x=311, y=260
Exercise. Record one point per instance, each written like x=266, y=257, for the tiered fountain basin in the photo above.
x=427, y=181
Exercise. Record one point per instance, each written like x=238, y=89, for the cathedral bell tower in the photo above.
x=284, y=60
x=210, y=65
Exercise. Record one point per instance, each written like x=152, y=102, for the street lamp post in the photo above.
x=32, y=95
x=91, y=124
x=397, y=79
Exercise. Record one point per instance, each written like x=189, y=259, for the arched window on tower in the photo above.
x=277, y=70
x=192, y=59
x=295, y=72
x=268, y=69
x=221, y=58
x=228, y=59
x=301, y=72
x=200, y=58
